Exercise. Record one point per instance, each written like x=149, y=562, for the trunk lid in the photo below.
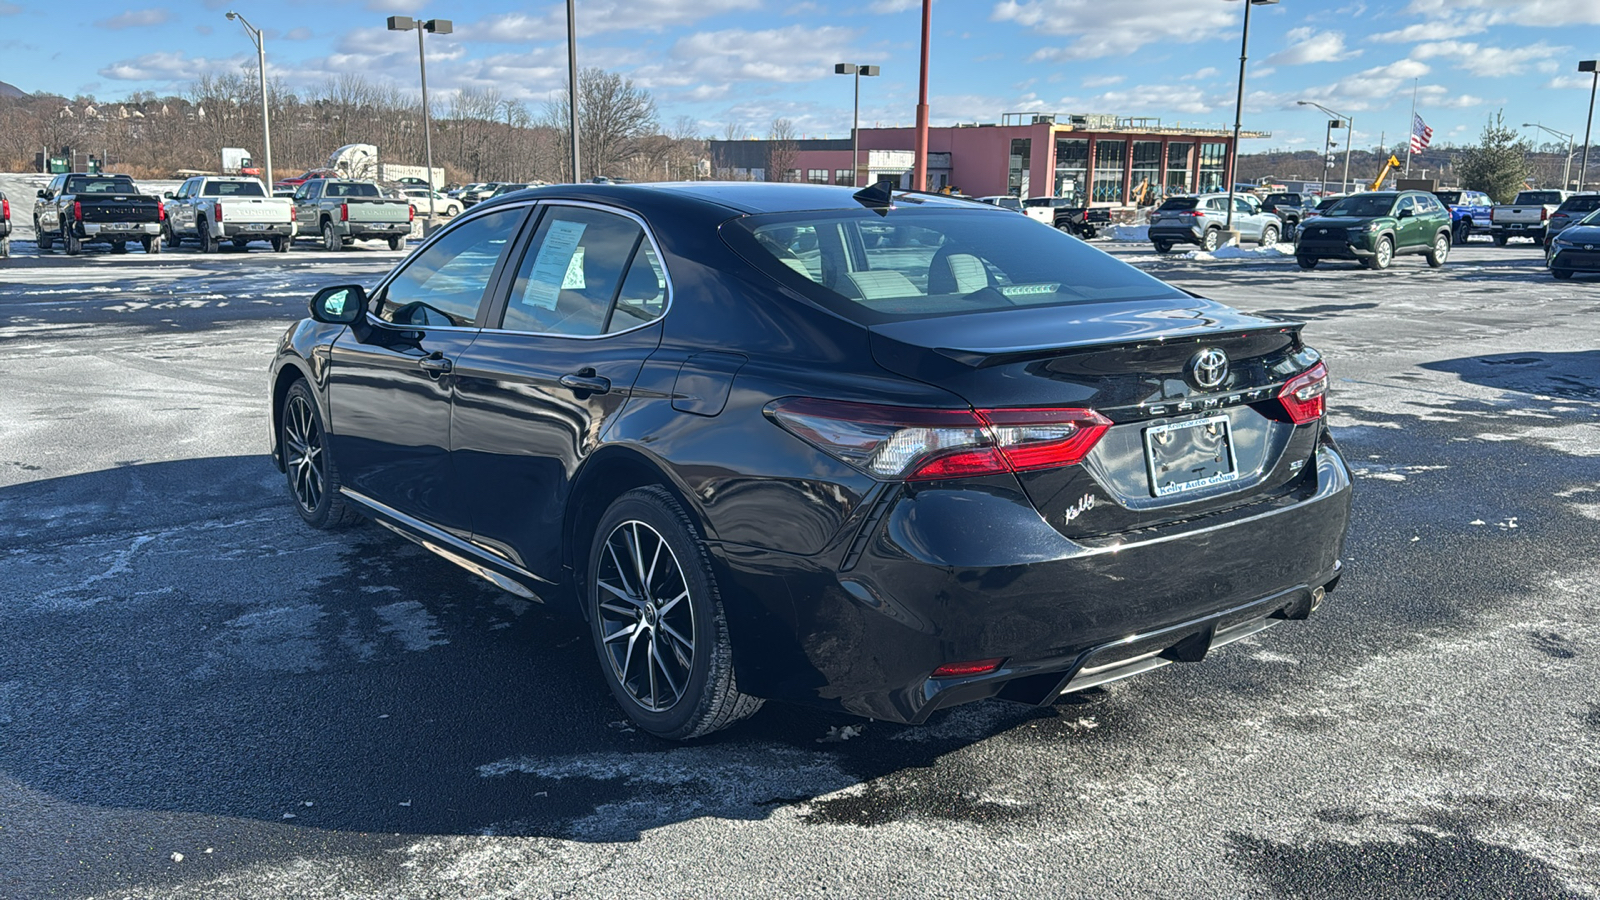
x=255, y=209
x=368, y=209
x=1135, y=363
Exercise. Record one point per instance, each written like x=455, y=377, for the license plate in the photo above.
x=261, y=227
x=118, y=226
x=1183, y=456
x=1515, y=226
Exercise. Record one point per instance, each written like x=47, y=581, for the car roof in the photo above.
x=750, y=197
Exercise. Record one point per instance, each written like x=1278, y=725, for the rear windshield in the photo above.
x=1363, y=207
x=233, y=189
x=1584, y=204
x=100, y=184
x=351, y=189
x=915, y=264
x=1327, y=204
x=1179, y=203
x=1040, y=201
x=1284, y=199
x=1539, y=197
x=1448, y=198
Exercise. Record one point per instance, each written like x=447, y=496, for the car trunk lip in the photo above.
x=996, y=337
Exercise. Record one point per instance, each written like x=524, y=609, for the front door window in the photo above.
x=444, y=284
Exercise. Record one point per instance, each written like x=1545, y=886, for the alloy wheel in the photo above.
x=646, y=616
x=302, y=440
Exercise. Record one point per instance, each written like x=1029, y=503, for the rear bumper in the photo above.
x=257, y=231
x=374, y=230
x=1177, y=235
x=117, y=231
x=1515, y=229
x=931, y=587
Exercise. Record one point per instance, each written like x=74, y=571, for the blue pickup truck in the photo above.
x=1469, y=213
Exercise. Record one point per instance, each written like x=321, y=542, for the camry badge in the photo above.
x=1208, y=369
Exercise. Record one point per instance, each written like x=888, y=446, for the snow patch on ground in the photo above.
x=1127, y=233
x=1236, y=252
x=411, y=624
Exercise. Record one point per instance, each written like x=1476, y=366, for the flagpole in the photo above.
x=1411, y=126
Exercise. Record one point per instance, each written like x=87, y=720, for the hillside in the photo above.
x=11, y=91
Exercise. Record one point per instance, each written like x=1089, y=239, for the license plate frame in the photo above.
x=1189, y=443
x=257, y=226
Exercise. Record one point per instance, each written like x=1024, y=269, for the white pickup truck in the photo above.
x=343, y=211
x=1526, y=216
x=212, y=209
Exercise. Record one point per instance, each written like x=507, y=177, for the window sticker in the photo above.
x=552, y=268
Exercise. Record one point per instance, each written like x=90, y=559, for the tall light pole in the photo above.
x=1346, y=123
x=1238, y=113
x=572, y=83
x=261, y=61
x=919, y=177
x=437, y=26
x=855, y=127
x=1566, y=168
x=1588, y=65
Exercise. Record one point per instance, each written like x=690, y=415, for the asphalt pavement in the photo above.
x=202, y=698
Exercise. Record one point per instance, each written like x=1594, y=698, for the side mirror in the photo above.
x=1405, y=214
x=169, y=195
x=343, y=304
x=42, y=195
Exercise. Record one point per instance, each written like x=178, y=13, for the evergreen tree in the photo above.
x=1498, y=166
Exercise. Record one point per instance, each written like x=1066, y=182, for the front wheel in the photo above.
x=313, y=477
x=208, y=241
x=151, y=244
x=1269, y=236
x=1383, y=255
x=1500, y=240
x=1462, y=232
x=171, y=237
x=119, y=246
x=657, y=619
x=44, y=241
x=1561, y=274
x=1306, y=262
x=1440, y=251
x=280, y=245
x=396, y=242
x=5, y=248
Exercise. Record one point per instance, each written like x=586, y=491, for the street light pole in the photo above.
x=1238, y=113
x=261, y=61
x=1566, y=167
x=572, y=83
x=919, y=178
x=437, y=26
x=1588, y=65
x=1349, y=138
x=855, y=128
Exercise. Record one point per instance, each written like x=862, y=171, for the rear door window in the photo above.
x=580, y=266
x=445, y=283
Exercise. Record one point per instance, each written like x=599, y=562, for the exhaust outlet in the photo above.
x=1316, y=597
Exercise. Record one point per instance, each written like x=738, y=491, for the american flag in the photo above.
x=1421, y=134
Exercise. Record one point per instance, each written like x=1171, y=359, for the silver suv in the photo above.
x=1202, y=219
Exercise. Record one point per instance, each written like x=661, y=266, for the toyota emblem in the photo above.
x=1208, y=369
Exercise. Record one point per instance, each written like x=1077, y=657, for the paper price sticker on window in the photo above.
x=558, y=267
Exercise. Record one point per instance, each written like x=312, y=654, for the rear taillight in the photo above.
x=344, y=212
x=928, y=444
x=413, y=216
x=1543, y=214
x=294, y=214
x=161, y=212
x=77, y=210
x=975, y=667
x=216, y=210
x=1197, y=213
x=1303, y=396
x=5, y=210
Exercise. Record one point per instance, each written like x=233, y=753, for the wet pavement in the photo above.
x=201, y=698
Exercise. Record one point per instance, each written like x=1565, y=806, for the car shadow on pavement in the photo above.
x=1567, y=376
x=178, y=642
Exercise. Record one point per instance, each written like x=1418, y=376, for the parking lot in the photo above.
x=202, y=698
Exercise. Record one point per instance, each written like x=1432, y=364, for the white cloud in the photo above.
x=396, y=6
x=1186, y=99
x=174, y=68
x=1200, y=75
x=894, y=6
x=1567, y=82
x=1439, y=30
x=1102, y=28
x=135, y=18
x=598, y=17
x=9, y=9
x=1544, y=13
x=791, y=54
x=1104, y=80
x=298, y=34
x=1307, y=45
x=1476, y=58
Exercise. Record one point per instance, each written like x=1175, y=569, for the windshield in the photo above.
x=1363, y=207
x=1537, y=197
x=915, y=264
x=100, y=184
x=351, y=189
x=233, y=189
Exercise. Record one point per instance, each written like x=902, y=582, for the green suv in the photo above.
x=1376, y=227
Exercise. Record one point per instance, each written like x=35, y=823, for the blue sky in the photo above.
x=750, y=61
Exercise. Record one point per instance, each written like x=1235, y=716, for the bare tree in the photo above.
x=783, y=152
x=613, y=115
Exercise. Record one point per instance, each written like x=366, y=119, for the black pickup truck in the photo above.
x=5, y=226
x=78, y=209
x=1069, y=215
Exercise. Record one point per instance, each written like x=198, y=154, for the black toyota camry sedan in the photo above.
x=885, y=452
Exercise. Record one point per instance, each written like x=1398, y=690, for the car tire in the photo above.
x=1089, y=233
x=119, y=246
x=240, y=244
x=1561, y=274
x=280, y=244
x=1382, y=256
x=1500, y=240
x=1462, y=232
x=330, y=241
x=151, y=244
x=208, y=242
x=1440, y=251
x=312, y=475
x=396, y=242
x=71, y=244
x=44, y=242
x=171, y=236
x=1163, y=246
x=1269, y=236
x=1212, y=239
x=1306, y=262
x=640, y=610
x=5, y=248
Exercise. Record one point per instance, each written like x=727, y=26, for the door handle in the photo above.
x=436, y=365
x=594, y=384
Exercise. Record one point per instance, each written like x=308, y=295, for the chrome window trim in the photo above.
x=654, y=244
